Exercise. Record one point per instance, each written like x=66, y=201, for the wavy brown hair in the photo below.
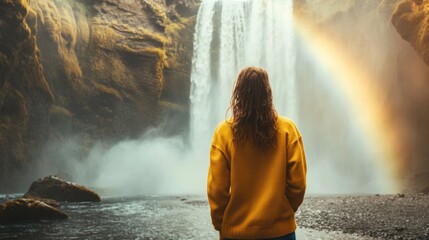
x=253, y=113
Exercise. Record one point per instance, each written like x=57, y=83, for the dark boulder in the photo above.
x=52, y=187
x=28, y=210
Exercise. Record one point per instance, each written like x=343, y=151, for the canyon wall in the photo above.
x=88, y=71
x=25, y=95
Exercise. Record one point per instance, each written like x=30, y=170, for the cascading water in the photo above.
x=229, y=36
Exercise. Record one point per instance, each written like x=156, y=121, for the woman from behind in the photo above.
x=257, y=173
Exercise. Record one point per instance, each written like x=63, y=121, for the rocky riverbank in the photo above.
x=379, y=216
x=361, y=216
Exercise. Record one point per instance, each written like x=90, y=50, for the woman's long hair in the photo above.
x=253, y=113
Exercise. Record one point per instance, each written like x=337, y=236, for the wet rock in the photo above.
x=52, y=187
x=50, y=202
x=28, y=210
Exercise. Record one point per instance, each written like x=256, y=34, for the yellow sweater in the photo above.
x=254, y=194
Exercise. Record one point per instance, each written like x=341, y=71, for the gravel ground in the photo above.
x=378, y=216
x=201, y=211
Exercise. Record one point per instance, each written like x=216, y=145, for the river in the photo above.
x=138, y=217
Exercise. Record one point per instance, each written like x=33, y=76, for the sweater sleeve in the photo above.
x=218, y=185
x=296, y=171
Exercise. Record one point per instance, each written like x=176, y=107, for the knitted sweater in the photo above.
x=254, y=194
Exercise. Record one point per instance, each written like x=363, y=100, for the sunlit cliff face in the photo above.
x=87, y=71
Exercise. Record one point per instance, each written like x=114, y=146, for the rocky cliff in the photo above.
x=25, y=95
x=411, y=19
x=91, y=70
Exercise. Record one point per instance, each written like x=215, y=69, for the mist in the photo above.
x=362, y=89
x=153, y=165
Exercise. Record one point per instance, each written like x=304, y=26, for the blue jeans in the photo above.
x=290, y=236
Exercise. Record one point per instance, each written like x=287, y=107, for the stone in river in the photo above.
x=28, y=210
x=52, y=187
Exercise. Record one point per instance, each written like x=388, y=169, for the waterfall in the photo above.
x=229, y=36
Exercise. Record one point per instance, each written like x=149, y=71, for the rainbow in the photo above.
x=356, y=84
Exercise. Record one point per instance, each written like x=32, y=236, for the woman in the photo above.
x=257, y=174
